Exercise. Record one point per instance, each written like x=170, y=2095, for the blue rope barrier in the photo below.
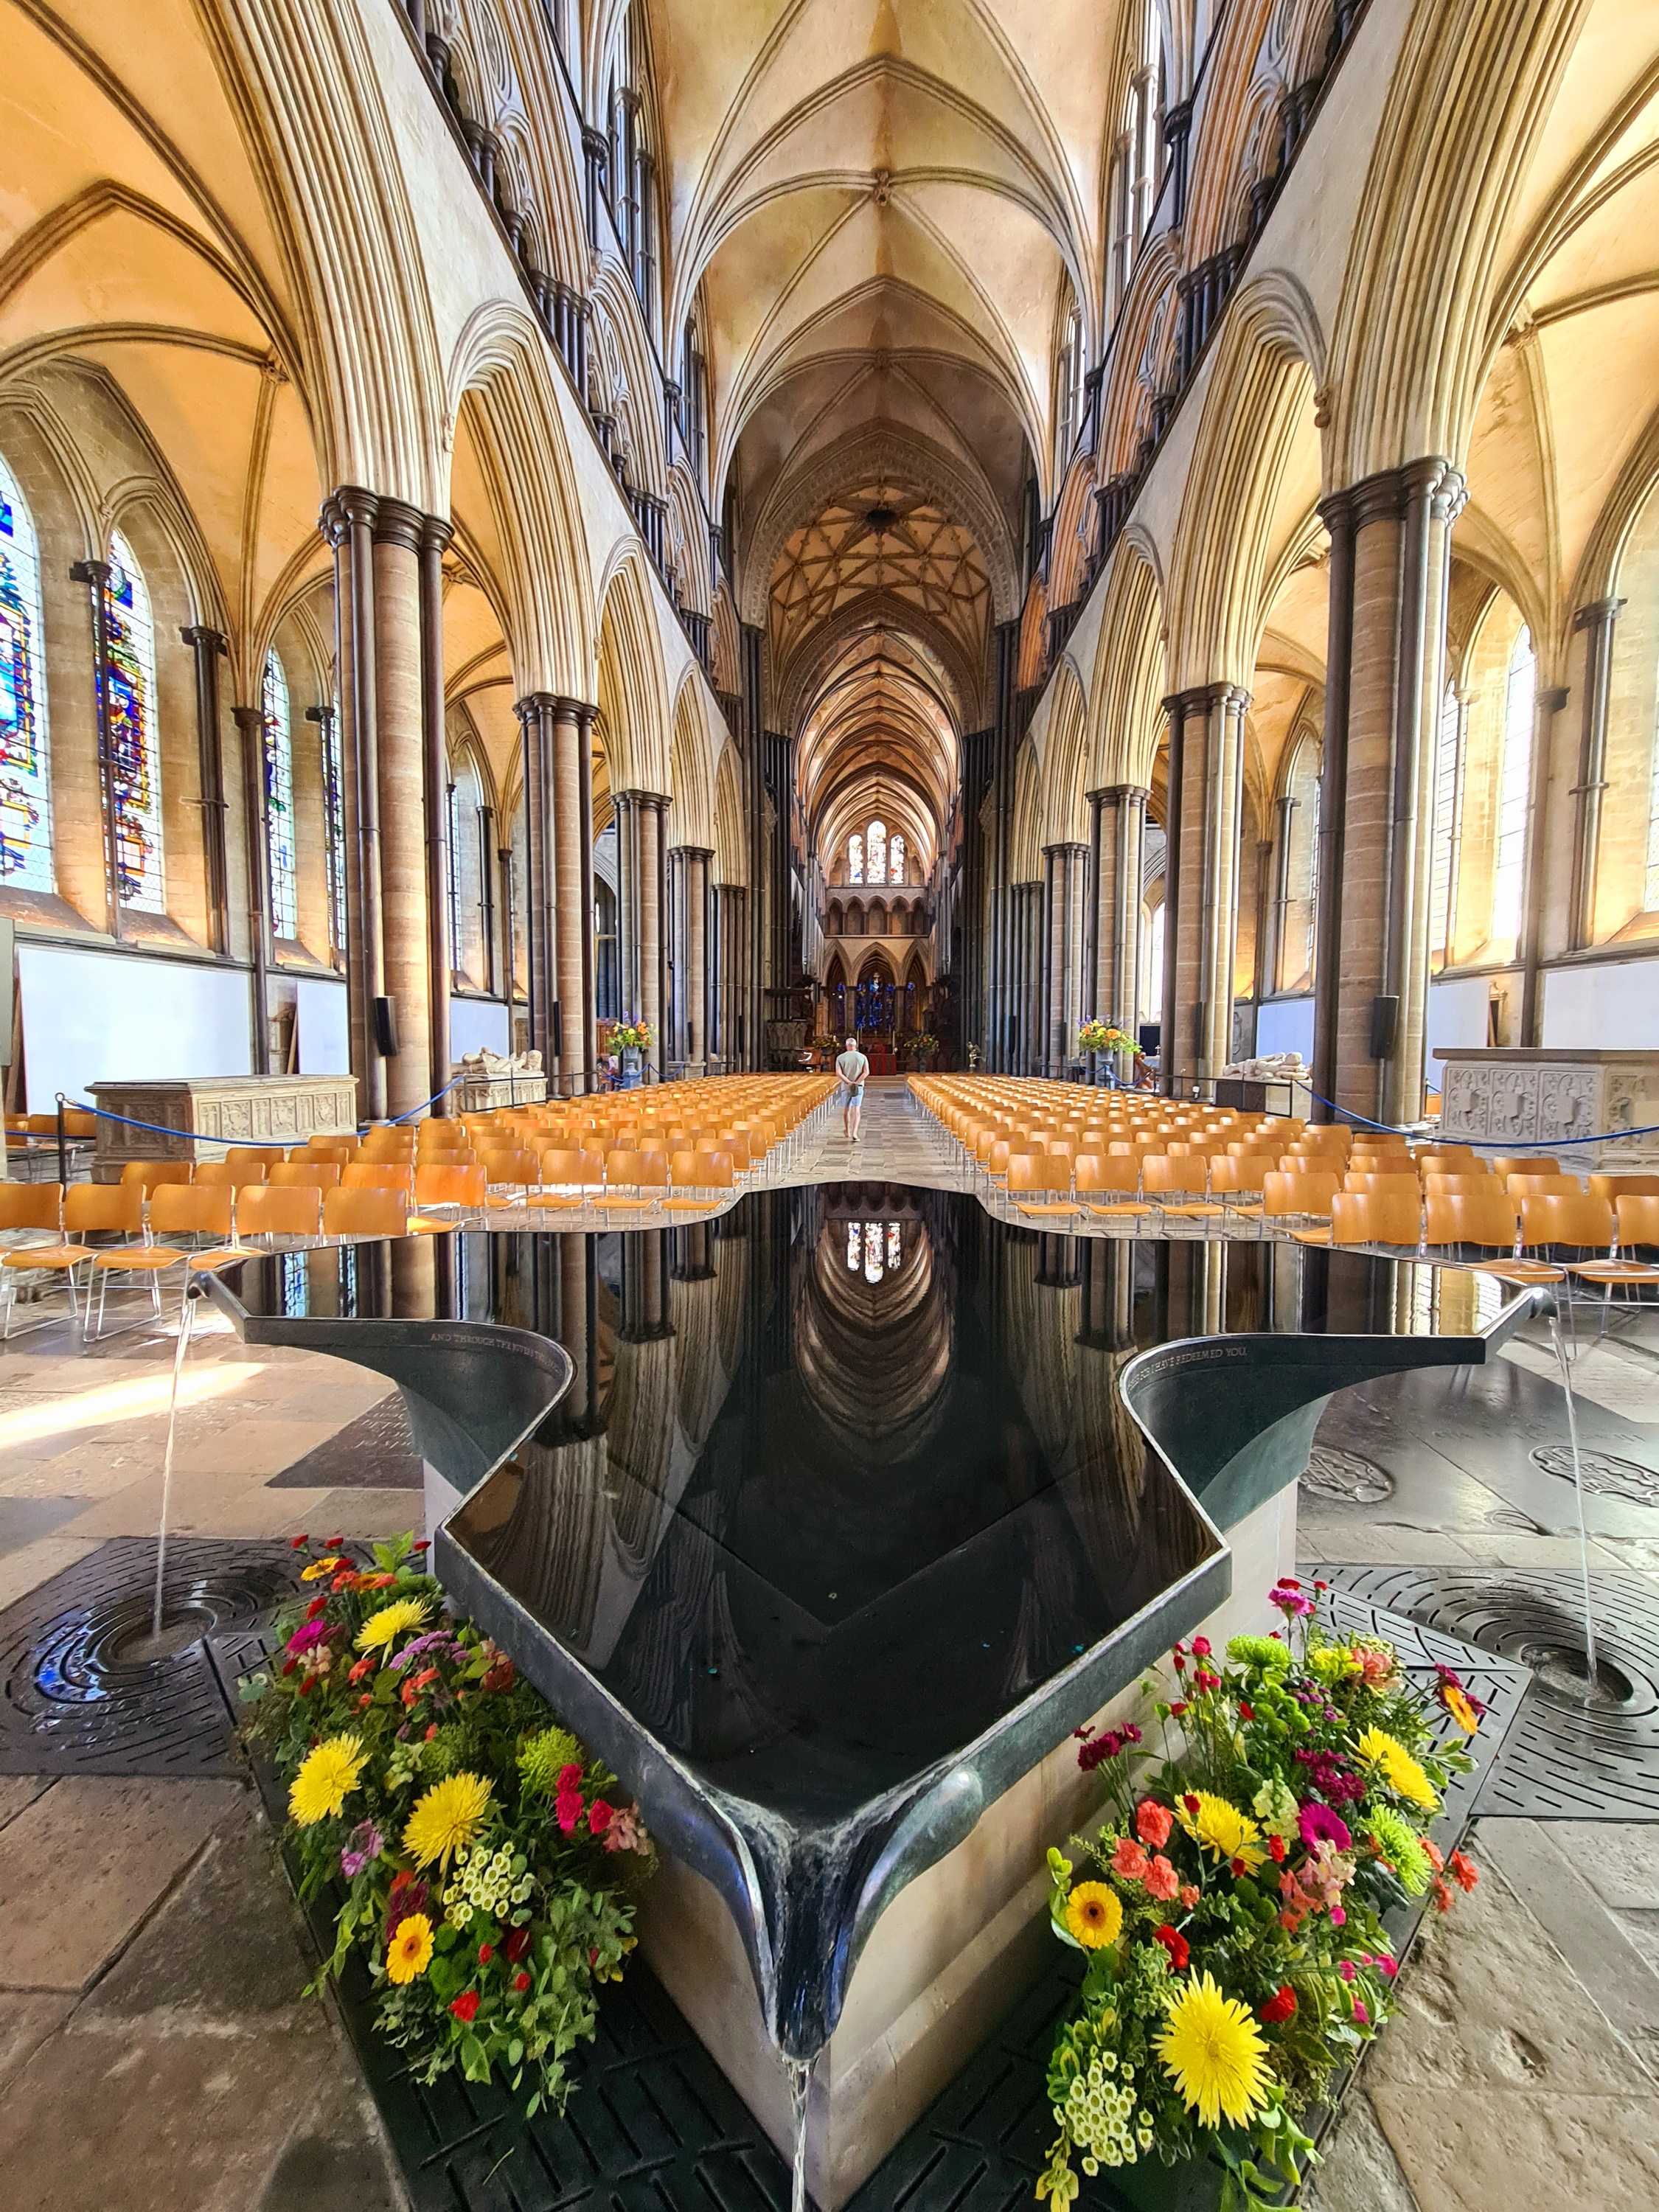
x=1514, y=1145
x=264, y=1144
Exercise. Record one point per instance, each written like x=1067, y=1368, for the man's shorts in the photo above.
x=851, y=1094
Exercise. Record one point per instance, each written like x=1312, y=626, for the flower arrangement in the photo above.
x=1230, y=1919
x=632, y=1036
x=1097, y=1036
x=485, y=1865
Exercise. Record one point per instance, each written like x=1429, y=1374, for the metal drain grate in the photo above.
x=81, y=1691
x=1605, y=1473
x=1347, y=1476
x=1566, y=1757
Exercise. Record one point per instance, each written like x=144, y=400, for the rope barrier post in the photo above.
x=63, y=1144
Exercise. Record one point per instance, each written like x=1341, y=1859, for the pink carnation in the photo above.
x=1162, y=1881
x=1153, y=1822
x=1129, y=1860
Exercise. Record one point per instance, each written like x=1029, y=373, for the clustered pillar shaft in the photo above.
x=400, y=765
x=1119, y=836
x=256, y=811
x=208, y=647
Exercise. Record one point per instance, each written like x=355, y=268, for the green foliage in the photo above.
x=528, y=1915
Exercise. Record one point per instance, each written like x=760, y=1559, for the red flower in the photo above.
x=1239, y=1869
x=1276, y=1850
x=1246, y=1712
x=1190, y=1801
x=365, y=1700
x=334, y=1543
x=315, y=1607
x=521, y=1983
x=486, y=1953
x=1175, y=1944
x=431, y=1730
x=422, y=1546
x=1177, y=1711
x=465, y=2007
x=1279, y=2006
x=567, y=1809
x=599, y=1816
x=307, y=1686
x=570, y=1777
x=1443, y=1896
x=1129, y=1862
x=288, y=1666
x=516, y=1944
x=1464, y=1871
x=298, y=1543
x=1180, y=1663
x=1201, y=1647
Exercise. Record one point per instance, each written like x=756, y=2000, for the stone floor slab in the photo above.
x=83, y=1866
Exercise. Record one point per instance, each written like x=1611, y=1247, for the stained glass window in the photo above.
x=896, y=861
x=895, y=1245
x=452, y=902
x=855, y=860
x=875, y=851
x=855, y=1245
x=25, y=792
x=1442, y=916
x=874, y=1267
x=1514, y=783
x=135, y=761
x=334, y=823
x=279, y=803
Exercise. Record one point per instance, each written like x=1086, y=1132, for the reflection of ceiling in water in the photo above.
x=873, y=1332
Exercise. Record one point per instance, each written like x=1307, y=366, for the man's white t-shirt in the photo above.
x=851, y=1067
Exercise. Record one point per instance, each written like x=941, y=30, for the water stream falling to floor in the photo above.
x=1561, y=1361
x=800, y=2081
x=186, y=1309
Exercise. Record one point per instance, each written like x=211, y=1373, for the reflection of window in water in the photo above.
x=892, y=1243
x=873, y=1269
x=296, y=1288
x=866, y=1249
x=855, y=1245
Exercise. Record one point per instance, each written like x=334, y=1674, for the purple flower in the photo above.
x=1319, y=1824
x=435, y=1642
x=1288, y=1597
x=307, y=1635
x=363, y=1846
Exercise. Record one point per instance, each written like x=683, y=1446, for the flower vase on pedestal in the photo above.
x=630, y=1069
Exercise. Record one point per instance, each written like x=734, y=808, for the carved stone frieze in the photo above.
x=199, y=1118
x=1553, y=1096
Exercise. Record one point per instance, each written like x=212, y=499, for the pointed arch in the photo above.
x=633, y=682
x=1124, y=719
x=1065, y=753
x=692, y=765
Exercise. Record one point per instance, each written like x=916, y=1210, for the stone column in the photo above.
x=209, y=645
x=1546, y=705
x=1597, y=622
x=401, y=774
x=1052, y=955
x=1118, y=904
x=435, y=535
x=752, y=645
x=696, y=958
x=347, y=523
x=256, y=819
x=572, y=841
x=536, y=894
x=628, y=904
x=1390, y=559
x=1183, y=887
x=652, y=954
x=1066, y=867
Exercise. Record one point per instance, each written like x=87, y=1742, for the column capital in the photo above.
x=397, y=523
x=643, y=797
x=248, y=718
x=1597, y=614
x=1065, y=845
x=566, y=709
x=436, y=531
x=533, y=705
x=694, y=852
x=90, y=572
x=349, y=506
x=198, y=634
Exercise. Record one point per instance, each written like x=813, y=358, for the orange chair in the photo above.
x=1529, y=1163
x=360, y=1212
x=273, y=1155
x=230, y=1174
x=1366, y=1217
x=1177, y=1183
x=1106, y=1173
x=571, y=1170
x=305, y=1174
x=1438, y=1185
x=35, y=1206
x=150, y=1175
x=1379, y=1182
x=1527, y=1185
x=1639, y=1218
x=1288, y=1196
x=1453, y=1219
x=197, y=1210
x=338, y=1149
x=642, y=1173
x=1036, y=1172
x=378, y=1175
x=700, y=1169
x=1450, y=1159
x=447, y=1185
x=1582, y=1222
x=280, y=1210
x=1616, y=1187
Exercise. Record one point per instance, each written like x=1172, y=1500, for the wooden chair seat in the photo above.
x=47, y=1255
x=137, y=1259
x=1613, y=1271
x=1312, y=1235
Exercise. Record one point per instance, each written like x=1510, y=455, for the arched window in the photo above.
x=1068, y=390
x=1447, y=829
x=135, y=761
x=1514, y=788
x=25, y=784
x=633, y=170
x=1298, y=861
x=1135, y=162
x=855, y=858
x=693, y=403
x=875, y=852
x=895, y=860
x=279, y=803
x=1153, y=934
x=334, y=825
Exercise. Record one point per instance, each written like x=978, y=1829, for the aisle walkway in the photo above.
x=897, y=1143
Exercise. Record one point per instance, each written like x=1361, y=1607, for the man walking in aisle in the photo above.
x=853, y=1068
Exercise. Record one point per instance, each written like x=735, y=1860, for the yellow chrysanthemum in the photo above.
x=1399, y=1769
x=327, y=1776
x=1220, y=1828
x=447, y=1818
x=1094, y=1915
x=319, y=1568
x=1216, y=2055
x=384, y=1627
x=410, y=1951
